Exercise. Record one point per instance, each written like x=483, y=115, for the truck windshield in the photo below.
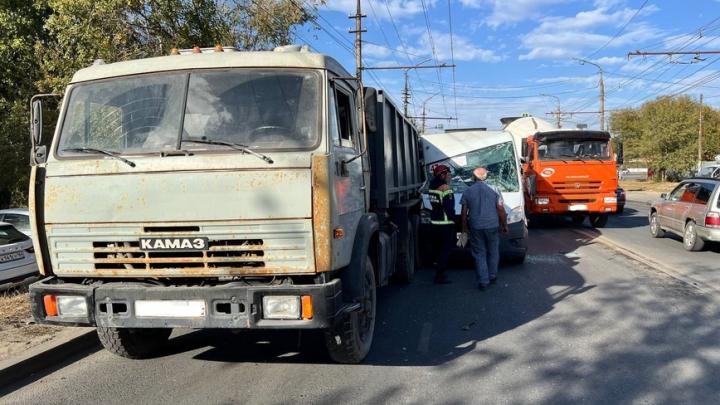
x=262, y=109
x=498, y=159
x=574, y=149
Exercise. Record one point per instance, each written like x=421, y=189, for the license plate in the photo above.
x=578, y=207
x=11, y=257
x=178, y=243
x=169, y=309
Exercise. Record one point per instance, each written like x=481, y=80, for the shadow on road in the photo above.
x=418, y=325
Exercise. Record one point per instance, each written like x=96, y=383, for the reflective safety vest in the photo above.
x=438, y=201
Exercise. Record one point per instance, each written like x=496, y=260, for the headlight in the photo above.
x=281, y=307
x=516, y=215
x=610, y=200
x=542, y=201
x=68, y=305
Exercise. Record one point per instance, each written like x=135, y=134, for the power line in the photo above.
x=434, y=53
x=617, y=34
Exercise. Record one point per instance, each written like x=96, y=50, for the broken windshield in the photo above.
x=262, y=109
x=498, y=159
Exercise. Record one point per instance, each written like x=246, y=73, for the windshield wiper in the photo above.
x=236, y=146
x=112, y=154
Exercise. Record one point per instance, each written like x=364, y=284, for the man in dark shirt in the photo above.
x=484, y=217
x=442, y=216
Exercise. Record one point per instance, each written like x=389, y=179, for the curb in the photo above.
x=599, y=238
x=47, y=355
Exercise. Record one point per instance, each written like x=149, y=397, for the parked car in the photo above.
x=710, y=171
x=17, y=217
x=691, y=210
x=17, y=257
x=620, y=193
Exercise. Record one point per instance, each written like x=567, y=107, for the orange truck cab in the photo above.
x=570, y=172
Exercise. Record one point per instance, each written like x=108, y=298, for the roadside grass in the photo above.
x=659, y=187
x=18, y=332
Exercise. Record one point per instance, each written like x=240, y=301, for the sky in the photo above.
x=517, y=56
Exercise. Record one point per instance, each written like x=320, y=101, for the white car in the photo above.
x=17, y=257
x=17, y=217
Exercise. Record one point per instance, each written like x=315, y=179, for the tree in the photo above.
x=21, y=27
x=114, y=30
x=664, y=133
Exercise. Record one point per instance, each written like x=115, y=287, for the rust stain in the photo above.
x=321, y=212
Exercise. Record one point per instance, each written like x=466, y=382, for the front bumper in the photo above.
x=232, y=305
x=571, y=204
x=514, y=243
x=709, y=234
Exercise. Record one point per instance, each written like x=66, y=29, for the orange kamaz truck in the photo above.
x=566, y=171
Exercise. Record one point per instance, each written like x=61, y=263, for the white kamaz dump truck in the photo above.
x=222, y=189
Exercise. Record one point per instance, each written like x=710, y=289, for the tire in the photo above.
x=691, y=241
x=406, y=261
x=655, y=230
x=349, y=341
x=598, y=220
x=133, y=343
x=578, y=219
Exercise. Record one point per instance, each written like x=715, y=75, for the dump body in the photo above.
x=396, y=171
x=212, y=190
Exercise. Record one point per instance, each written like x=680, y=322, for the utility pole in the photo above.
x=700, y=135
x=557, y=111
x=602, y=90
x=358, y=40
x=406, y=94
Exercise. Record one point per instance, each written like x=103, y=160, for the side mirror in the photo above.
x=663, y=196
x=531, y=185
x=36, y=122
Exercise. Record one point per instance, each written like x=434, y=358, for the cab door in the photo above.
x=348, y=183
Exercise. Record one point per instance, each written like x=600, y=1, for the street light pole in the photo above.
x=602, y=90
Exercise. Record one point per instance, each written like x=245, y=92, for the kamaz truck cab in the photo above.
x=222, y=189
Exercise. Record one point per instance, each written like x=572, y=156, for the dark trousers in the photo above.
x=485, y=246
x=444, y=239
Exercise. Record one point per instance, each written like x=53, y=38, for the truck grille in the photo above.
x=239, y=248
x=232, y=253
x=577, y=201
x=576, y=185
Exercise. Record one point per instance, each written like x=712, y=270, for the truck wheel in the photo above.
x=133, y=343
x=691, y=240
x=578, y=218
x=406, y=260
x=598, y=220
x=349, y=341
x=655, y=230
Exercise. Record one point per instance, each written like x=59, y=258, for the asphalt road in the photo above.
x=631, y=230
x=576, y=323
